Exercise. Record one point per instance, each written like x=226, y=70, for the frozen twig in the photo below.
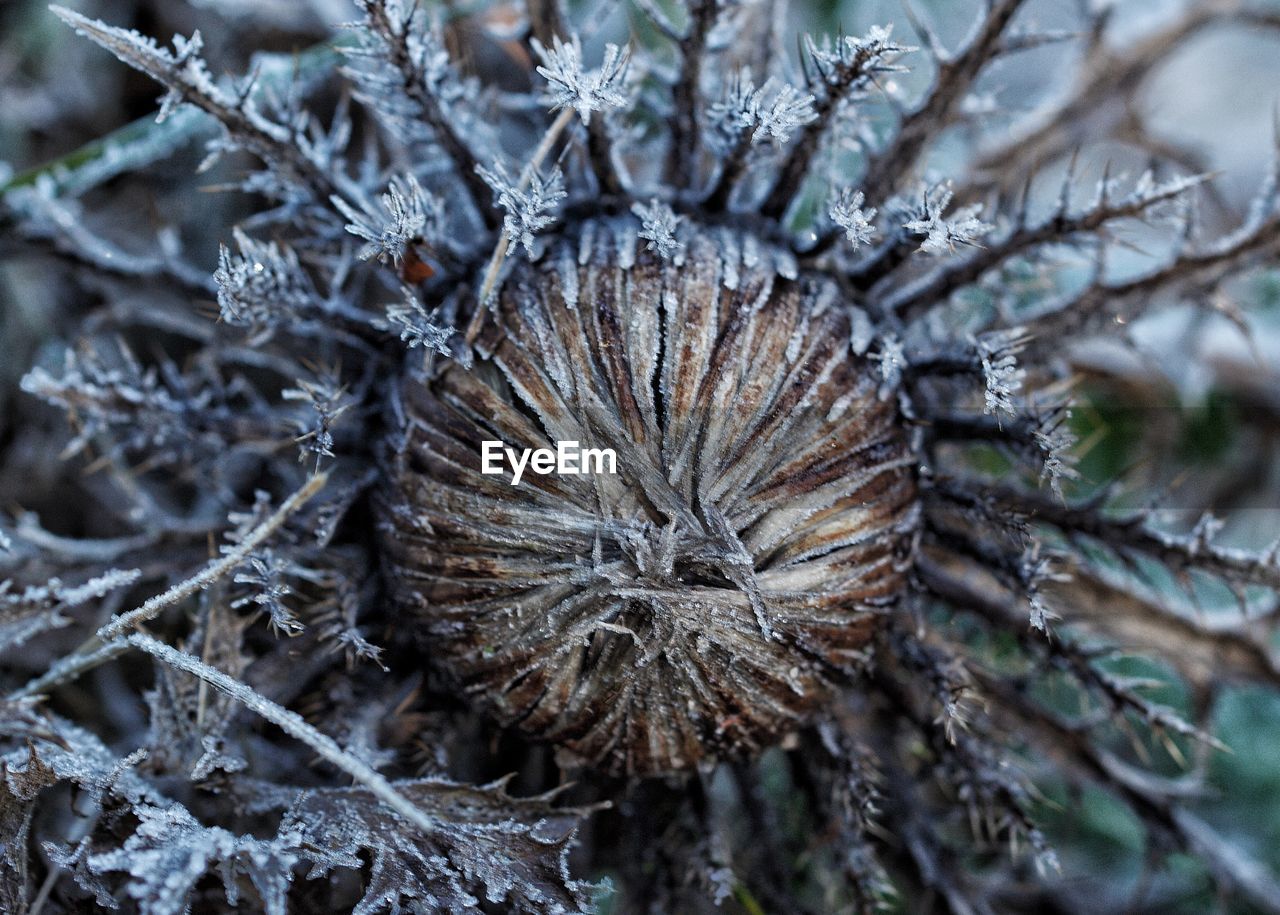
x=292, y=724
x=494, y=268
x=107, y=644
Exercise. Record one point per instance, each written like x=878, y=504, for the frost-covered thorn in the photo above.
x=1002, y=375
x=265, y=573
x=1030, y=40
x=1037, y=567
x=572, y=86
x=419, y=327
x=528, y=203
x=932, y=289
x=659, y=224
x=1068, y=183
x=408, y=213
x=524, y=210
x=943, y=234
x=846, y=211
x=892, y=360
x=329, y=400
x=937, y=50
x=1056, y=443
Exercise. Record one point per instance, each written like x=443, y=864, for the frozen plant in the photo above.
x=841, y=633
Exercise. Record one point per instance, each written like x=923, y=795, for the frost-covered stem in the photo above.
x=504, y=243
x=107, y=644
x=1106, y=76
x=70, y=667
x=1124, y=300
x=247, y=131
x=600, y=153
x=140, y=143
x=414, y=83
x=292, y=724
x=217, y=569
x=798, y=163
x=956, y=74
x=933, y=289
x=730, y=171
x=1131, y=533
x=686, y=140
x=1197, y=650
x=888, y=257
x=70, y=240
x=547, y=23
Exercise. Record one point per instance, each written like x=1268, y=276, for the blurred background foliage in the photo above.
x=1193, y=412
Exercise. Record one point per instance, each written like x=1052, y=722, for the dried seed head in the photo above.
x=704, y=599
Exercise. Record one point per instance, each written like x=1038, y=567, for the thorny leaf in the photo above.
x=171, y=851
x=491, y=848
x=20, y=784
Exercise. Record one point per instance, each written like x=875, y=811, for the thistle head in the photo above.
x=705, y=598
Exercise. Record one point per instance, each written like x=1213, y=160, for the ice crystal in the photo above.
x=857, y=56
x=771, y=112
x=848, y=212
x=528, y=204
x=408, y=213
x=261, y=285
x=328, y=399
x=1003, y=375
x=418, y=326
x=659, y=225
x=266, y=576
x=892, y=360
x=573, y=87
x=942, y=233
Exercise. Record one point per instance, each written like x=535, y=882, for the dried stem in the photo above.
x=499, y=256
x=956, y=73
x=107, y=644
x=686, y=130
x=291, y=723
x=415, y=87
